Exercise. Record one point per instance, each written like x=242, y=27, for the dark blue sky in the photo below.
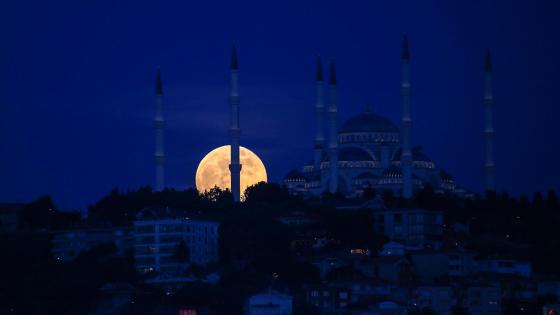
x=76, y=101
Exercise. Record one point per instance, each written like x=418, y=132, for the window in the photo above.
x=145, y=229
x=170, y=239
x=171, y=228
x=145, y=261
x=145, y=239
x=167, y=249
x=144, y=250
x=167, y=259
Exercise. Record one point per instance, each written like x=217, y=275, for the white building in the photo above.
x=461, y=262
x=393, y=249
x=504, y=266
x=438, y=298
x=483, y=300
x=165, y=241
x=415, y=228
x=388, y=308
x=270, y=303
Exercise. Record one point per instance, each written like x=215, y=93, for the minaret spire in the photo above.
x=319, y=113
x=159, y=125
x=319, y=71
x=333, y=141
x=489, y=128
x=406, y=155
x=235, y=131
x=234, y=65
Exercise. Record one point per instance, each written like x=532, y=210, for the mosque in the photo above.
x=370, y=151
x=367, y=151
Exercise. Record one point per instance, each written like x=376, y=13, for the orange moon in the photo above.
x=213, y=169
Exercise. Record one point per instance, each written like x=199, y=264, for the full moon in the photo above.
x=213, y=170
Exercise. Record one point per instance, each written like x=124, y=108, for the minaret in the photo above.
x=333, y=141
x=235, y=166
x=489, y=129
x=159, y=124
x=406, y=155
x=319, y=113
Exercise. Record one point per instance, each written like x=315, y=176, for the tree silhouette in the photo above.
x=39, y=213
x=266, y=193
x=217, y=195
x=551, y=200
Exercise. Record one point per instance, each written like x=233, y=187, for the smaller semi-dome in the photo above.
x=365, y=179
x=294, y=175
x=445, y=176
x=368, y=122
x=392, y=172
x=446, y=181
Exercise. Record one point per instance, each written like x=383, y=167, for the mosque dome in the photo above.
x=354, y=154
x=368, y=122
x=351, y=154
x=444, y=176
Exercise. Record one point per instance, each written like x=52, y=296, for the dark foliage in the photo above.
x=423, y=311
x=255, y=246
x=34, y=283
x=269, y=193
x=41, y=214
x=118, y=208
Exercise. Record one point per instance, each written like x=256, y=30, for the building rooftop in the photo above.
x=166, y=213
x=408, y=210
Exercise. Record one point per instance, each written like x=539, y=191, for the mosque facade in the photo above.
x=369, y=151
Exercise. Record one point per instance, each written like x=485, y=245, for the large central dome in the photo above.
x=368, y=122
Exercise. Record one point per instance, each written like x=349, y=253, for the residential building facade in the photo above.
x=68, y=244
x=169, y=243
x=415, y=228
x=269, y=303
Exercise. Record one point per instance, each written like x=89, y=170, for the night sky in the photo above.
x=77, y=85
